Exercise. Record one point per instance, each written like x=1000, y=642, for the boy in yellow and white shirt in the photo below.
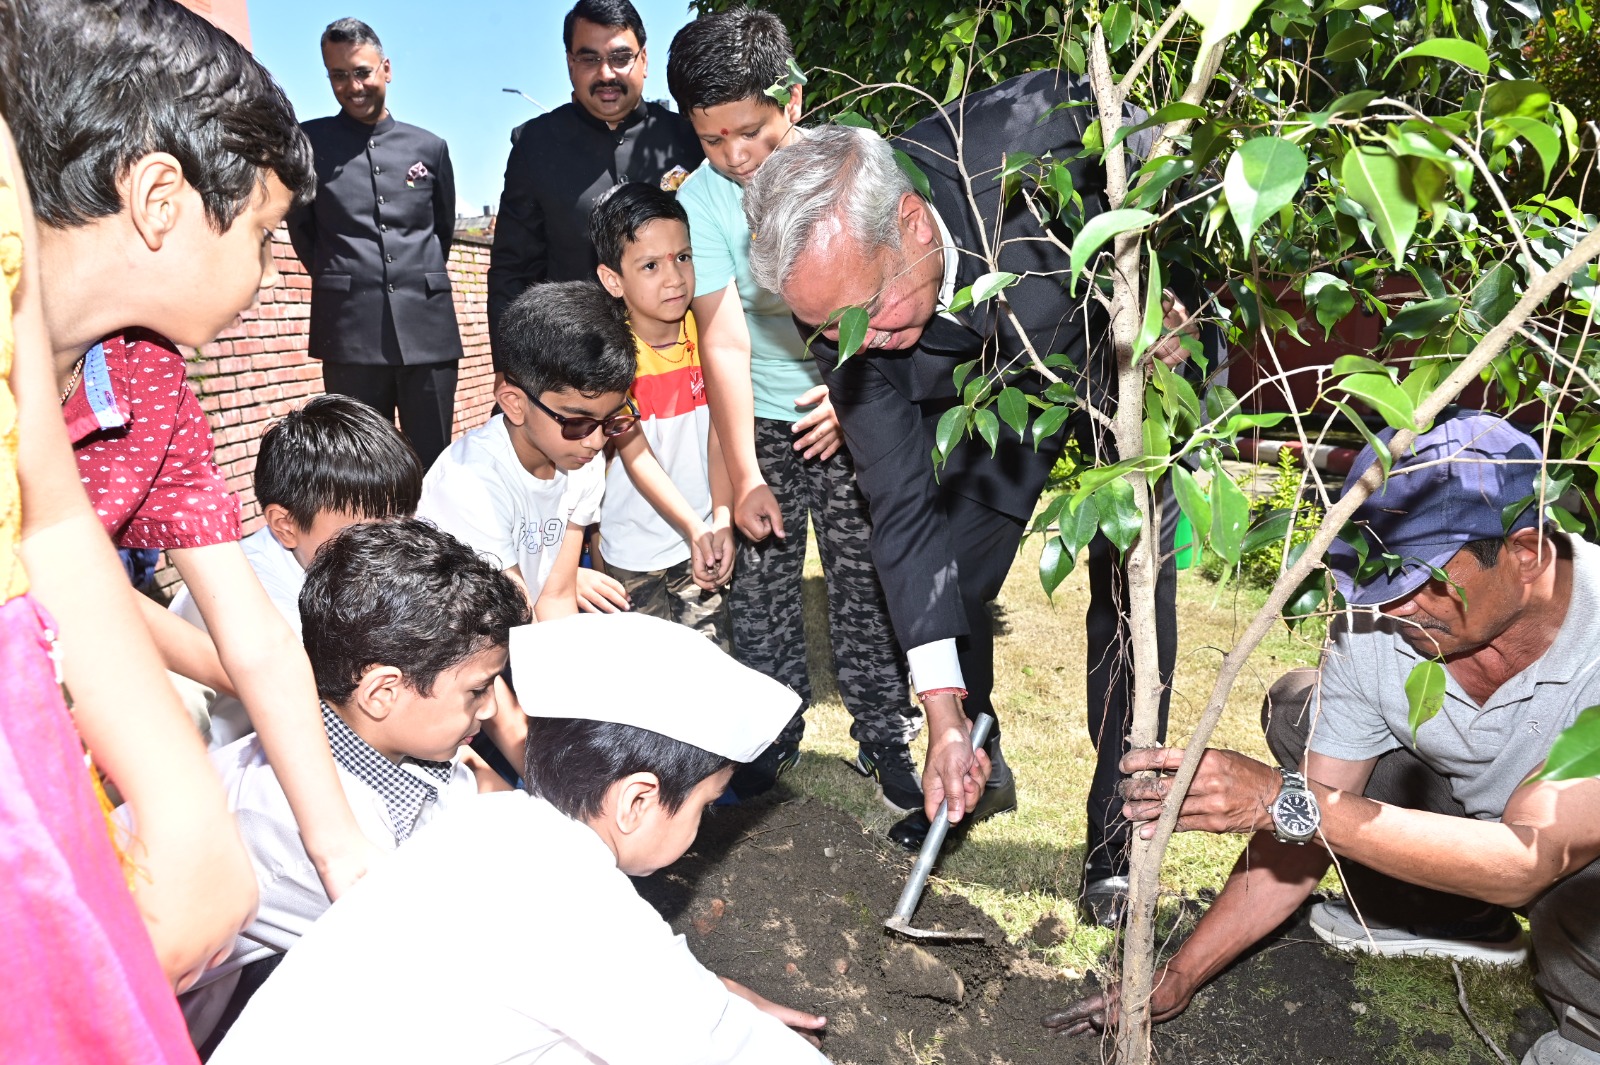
x=665, y=526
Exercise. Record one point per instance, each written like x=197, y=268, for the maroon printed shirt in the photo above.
x=144, y=450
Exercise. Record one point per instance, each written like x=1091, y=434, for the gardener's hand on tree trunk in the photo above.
x=1094, y=1013
x=1230, y=793
x=1177, y=323
x=954, y=771
x=803, y=1024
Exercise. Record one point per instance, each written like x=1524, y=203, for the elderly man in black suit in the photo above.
x=837, y=223
x=375, y=241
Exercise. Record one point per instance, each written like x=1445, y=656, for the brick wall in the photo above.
x=258, y=369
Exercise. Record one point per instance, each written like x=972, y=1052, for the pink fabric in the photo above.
x=80, y=980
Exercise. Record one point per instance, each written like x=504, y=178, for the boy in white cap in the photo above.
x=585, y=971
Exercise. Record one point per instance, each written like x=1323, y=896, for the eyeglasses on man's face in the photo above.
x=620, y=60
x=615, y=424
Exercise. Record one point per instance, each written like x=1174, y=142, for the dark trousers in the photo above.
x=424, y=397
x=1564, y=921
x=767, y=604
x=985, y=543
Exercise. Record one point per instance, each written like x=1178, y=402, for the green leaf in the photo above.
x=1415, y=321
x=1192, y=501
x=1352, y=43
x=1381, y=184
x=1494, y=295
x=1262, y=178
x=1230, y=514
x=1154, y=316
x=1576, y=753
x=1176, y=112
x=1453, y=49
x=1220, y=18
x=1157, y=439
x=961, y=300
x=1048, y=422
x=1119, y=515
x=1424, y=693
x=1331, y=298
x=913, y=172
x=1505, y=98
x=989, y=284
x=850, y=118
x=1425, y=375
x=1079, y=524
x=1055, y=562
x=852, y=331
x=1379, y=448
x=1345, y=365
x=1099, y=229
x=1545, y=141
x=958, y=79
x=1268, y=531
x=1013, y=407
x=988, y=427
x=1384, y=396
x=948, y=433
x=1118, y=24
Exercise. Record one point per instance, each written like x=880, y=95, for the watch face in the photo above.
x=1296, y=814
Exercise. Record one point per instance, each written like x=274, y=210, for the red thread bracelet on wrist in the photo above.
x=959, y=693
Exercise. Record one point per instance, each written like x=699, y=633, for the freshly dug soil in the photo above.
x=789, y=897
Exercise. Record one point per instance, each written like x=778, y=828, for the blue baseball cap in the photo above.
x=1453, y=487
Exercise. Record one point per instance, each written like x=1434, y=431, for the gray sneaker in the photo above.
x=1552, y=1049
x=1497, y=940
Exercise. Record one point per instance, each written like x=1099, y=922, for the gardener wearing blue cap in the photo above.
x=1441, y=835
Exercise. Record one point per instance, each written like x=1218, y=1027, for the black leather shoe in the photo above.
x=1104, y=901
x=911, y=830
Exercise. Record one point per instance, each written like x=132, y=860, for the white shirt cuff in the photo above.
x=935, y=665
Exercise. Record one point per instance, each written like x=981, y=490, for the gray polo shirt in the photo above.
x=1486, y=751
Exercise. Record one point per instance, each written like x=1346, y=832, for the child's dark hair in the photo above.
x=92, y=86
x=351, y=31
x=403, y=594
x=567, y=335
x=726, y=57
x=602, y=13
x=622, y=211
x=571, y=764
x=337, y=454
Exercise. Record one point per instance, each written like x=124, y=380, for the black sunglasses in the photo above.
x=612, y=425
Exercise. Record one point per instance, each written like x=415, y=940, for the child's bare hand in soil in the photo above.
x=803, y=1024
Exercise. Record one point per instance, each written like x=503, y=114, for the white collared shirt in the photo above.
x=292, y=896
x=582, y=970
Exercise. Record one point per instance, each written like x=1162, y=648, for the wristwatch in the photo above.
x=1295, y=814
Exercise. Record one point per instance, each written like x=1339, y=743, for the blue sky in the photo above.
x=451, y=59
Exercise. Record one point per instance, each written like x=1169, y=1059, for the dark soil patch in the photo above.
x=788, y=898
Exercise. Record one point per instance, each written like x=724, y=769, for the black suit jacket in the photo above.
x=376, y=240
x=559, y=165
x=889, y=402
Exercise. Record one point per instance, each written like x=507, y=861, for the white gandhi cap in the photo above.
x=651, y=674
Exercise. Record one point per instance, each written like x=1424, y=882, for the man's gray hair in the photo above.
x=351, y=31
x=838, y=172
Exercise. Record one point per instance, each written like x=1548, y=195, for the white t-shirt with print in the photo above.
x=479, y=492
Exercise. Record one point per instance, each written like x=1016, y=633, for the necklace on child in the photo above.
x=683, y=341
x=72, y=382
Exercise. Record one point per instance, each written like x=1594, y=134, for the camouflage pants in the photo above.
x=768, y=613
x=672, y=594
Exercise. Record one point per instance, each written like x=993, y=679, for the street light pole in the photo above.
x=525, y=96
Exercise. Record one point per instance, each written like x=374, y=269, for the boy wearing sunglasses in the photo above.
x=523, y=487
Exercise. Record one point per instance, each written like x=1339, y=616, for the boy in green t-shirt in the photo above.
x=779, y=434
